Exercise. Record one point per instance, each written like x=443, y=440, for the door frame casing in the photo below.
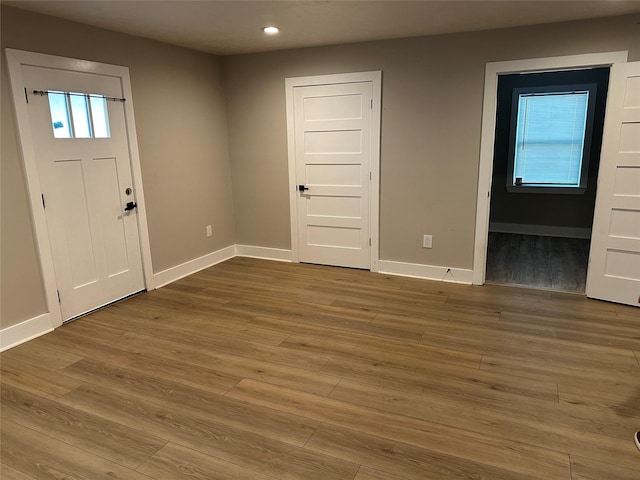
x=375, y=77
x=15, y=60
x=485, y=169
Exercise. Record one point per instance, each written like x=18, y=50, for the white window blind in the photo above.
x=550, y=136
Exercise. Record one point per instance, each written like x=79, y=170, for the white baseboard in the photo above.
x=266, y=253
x=172, y=274
x=25, y=331
x=32, y=328
x=427, y=272
x=544, y=230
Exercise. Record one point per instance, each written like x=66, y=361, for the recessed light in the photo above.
x=270, y=30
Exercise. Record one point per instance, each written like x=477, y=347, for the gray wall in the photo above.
x=192, y=109
x=431, y=121
x=182, y=134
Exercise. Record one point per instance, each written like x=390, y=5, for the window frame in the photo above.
x=592, y=89
x=72, y=114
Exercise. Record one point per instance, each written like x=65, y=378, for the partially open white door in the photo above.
x=614, y=268
x=84, y=168
x=333, y=129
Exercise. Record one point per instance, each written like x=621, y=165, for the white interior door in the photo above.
x=614, y=268
x=333, y=131
x=84, y=168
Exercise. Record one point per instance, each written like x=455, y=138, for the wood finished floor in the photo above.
x=538, y=261
x=262, y=370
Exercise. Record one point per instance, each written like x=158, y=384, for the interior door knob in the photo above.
x=302, y=188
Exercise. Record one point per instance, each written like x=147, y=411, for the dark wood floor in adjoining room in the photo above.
x=538, y=261
x=262, y=370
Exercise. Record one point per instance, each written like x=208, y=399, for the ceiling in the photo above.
x=232, y=27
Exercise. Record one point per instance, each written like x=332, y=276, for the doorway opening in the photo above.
x=548, y=140
x=619, y=82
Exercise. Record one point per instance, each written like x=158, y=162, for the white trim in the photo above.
x=291, y=155
x=185, y=269
x=426, y=272
x=487, y=138
x=136, y=173
x=15, y=60
x=25, y=331
x=375, y=77
x=544, y=230
x=374, y=191
x=265, y=253
x=32, y=180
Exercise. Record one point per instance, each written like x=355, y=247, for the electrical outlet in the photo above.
x=209, y=231
x=427, y=241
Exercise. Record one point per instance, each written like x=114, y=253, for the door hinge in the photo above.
x=369, y=242
x=26, y=96
x=58, y=295
x=370, y=176
x=371, y=103
x=43, y=204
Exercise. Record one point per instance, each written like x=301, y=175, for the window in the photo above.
x=59, y=115
x=99, y=116
x=78, y=115
x=550, y=138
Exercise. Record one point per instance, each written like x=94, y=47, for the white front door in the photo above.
x=84, y=168
x=333, y=149
x=614, y=268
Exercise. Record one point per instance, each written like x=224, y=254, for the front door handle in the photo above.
x=302, y=188
x=130, y=206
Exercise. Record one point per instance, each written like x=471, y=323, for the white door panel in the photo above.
x=95, y=245
x=614, y=269
x=333, y=128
